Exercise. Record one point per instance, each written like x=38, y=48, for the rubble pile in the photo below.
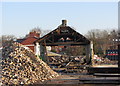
x=21, y=66
x=102, y=61
x=59, y=59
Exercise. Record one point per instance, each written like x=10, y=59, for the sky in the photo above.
x=18, y=18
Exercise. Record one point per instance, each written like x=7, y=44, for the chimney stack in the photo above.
x=64, y=22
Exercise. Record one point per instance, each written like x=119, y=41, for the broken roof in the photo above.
x=63, y=35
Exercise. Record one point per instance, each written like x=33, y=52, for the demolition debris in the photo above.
x=21, y=66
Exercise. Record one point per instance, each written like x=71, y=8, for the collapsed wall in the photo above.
x=21, y=66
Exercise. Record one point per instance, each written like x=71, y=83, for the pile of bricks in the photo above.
x=21, y=66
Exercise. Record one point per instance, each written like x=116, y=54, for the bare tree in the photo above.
x=41, y=31
x=102, y=39
x=37, y=29
x=7, y=39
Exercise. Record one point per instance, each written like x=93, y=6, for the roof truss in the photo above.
x=63, y=35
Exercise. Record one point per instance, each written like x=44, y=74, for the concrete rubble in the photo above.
x=21, y=66
x=104, y=61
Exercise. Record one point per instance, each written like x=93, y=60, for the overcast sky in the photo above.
x=18, y=18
